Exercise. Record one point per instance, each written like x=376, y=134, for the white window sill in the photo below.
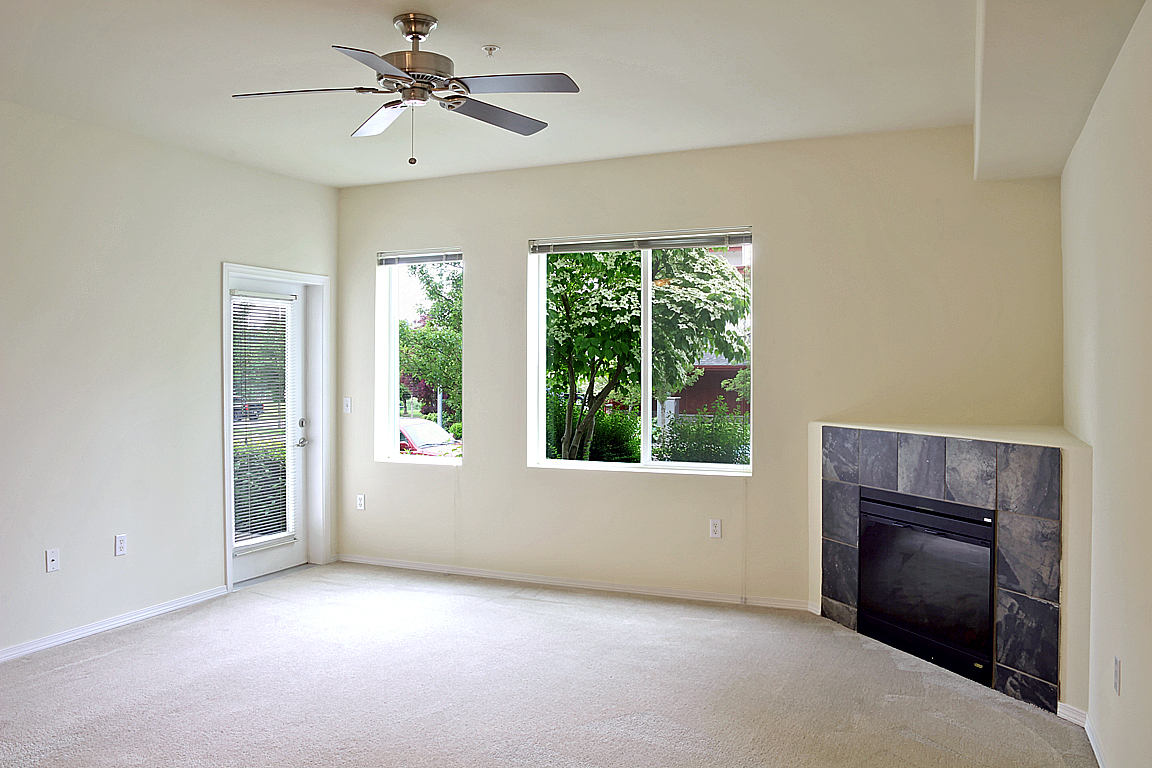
x=444, y=461
x=720, y=470
x=263, y=542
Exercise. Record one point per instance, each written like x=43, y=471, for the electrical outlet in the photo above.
x=714, y=528
x=52, y=560
x=121, y=544
x=1116, y=675
x=347, y=405
x=359, y=501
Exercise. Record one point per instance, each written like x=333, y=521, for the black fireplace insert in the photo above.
x=926, y=579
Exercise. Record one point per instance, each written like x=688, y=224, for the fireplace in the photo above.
x=1017, y=486
x=926, y=579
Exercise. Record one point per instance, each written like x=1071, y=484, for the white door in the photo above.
x=269, y=427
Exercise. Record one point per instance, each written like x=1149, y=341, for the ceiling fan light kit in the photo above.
x=418, y=77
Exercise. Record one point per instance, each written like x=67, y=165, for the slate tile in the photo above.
x=970, y=472
x=1028, y=480
x=841, y=454
x=920, y=465
x=1026, y=688
x=841, y=569
x=844, y=615
x=1027, y=635
x=878, y=459
x=1028, y=555
x=840, y=509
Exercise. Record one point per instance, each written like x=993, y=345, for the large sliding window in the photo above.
x=644, y=351
x=419, y=343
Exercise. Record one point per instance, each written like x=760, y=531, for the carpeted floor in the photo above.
x=351, y=665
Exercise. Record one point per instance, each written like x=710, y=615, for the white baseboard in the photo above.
x=60, y=638
x=602, y=586
x=780, y=602
x=1094, y=741
x=1071, y=714
x=1080, y=717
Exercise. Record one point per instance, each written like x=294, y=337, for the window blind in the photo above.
x=264, y=398
x=390, y=258
x=689, y=239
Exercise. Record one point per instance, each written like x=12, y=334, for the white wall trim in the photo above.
x=781, y=602
x=1094, y=740
x=67, y=636
x=602, y=586
x=1071, y=714
x=319, y=405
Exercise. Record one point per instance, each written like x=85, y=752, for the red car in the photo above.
x=421, y=437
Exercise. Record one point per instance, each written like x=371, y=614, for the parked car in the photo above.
x=245, y=410
x=421, y=437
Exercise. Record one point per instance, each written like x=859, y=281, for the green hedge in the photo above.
x=258, y=471
x=616, y=439
x=715, y=435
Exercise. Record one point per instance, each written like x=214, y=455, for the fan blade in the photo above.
x=501, y=118
x=381, y=119
x=369, y=59
x=556, y=82
x=307, y=90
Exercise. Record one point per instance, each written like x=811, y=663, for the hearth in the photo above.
x=926, y=580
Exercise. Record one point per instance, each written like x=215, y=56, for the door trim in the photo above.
x=319, y=406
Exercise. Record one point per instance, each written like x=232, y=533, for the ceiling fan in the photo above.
x=418, y=77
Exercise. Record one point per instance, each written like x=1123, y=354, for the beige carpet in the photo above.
x=351, y=665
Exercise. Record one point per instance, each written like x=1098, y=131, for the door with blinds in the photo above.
x=269, y=430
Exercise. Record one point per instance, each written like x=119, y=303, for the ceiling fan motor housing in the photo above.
x=424, y=66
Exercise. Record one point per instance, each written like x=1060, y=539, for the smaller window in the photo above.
x=419, y=343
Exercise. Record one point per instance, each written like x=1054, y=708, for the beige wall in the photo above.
x=110, y=337
x=1107, y=212
x=889, y=287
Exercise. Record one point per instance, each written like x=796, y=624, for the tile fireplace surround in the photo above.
x=1022, y=483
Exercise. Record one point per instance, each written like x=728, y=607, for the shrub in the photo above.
x=259, y=471
x=715, y=435
x=617, y=435
x=457, y=430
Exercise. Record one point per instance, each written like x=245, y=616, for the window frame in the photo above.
x=386, y=402
x=537, y=303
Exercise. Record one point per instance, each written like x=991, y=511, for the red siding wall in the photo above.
x=707, y=388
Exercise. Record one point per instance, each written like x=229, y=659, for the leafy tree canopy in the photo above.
x=594, y=336
x=431, y=350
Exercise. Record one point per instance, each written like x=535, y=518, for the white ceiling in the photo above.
x=1041, y=64
x=654, y=76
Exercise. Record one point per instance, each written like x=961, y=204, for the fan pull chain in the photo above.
x=412, y=141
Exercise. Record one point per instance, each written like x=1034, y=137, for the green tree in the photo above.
x=698, y=301
x=741, y=384
x=432, y=350
x=593, y=334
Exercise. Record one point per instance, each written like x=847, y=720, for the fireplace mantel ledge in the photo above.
x=1056, y=437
